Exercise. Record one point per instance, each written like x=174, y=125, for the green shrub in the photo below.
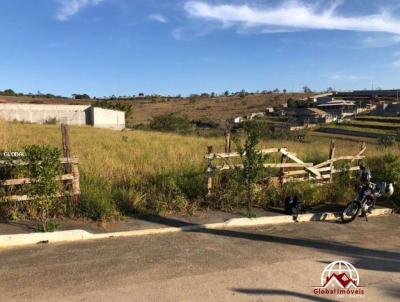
x=130, y=201
x=310, y=193
x=386, y=168
x=386, y=141
x=343, y=188
x=44, y=167
x=96, y=199
x=171, y=122
x=115, y=105
x=164, y=195
x=252, y=161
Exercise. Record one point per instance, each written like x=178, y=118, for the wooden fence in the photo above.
x=70, y=178
x=291, y=168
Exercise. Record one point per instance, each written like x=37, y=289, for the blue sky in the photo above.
x=124, y=47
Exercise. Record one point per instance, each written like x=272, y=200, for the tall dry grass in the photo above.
x=135, y=171
x=3, y=134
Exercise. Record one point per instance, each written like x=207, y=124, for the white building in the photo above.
x=68, y=114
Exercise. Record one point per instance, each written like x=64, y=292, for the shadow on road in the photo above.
x=393, y=292
x=364, y=258
x=280, y=292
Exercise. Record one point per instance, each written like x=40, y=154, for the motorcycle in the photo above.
x=365, y=201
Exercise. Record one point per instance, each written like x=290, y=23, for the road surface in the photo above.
x=276, y=263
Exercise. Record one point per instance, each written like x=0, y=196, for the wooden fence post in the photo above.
x=362, y=147
x=66, y=146
x=76, y=188
x=70, y=167
x=228, y=142
x=282, y=170
x=332, y=156
x=209, y=170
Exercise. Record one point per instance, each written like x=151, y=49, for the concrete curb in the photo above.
x=18, y=240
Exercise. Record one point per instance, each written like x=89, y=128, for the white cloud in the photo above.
x=158, y=18
x=396, y=64
x=68, y=8
x=294, y=14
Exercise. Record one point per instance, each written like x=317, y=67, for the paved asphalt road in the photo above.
x=277, y=263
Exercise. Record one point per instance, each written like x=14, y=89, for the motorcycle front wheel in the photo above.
x=351, y=211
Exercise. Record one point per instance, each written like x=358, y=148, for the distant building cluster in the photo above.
x=334, y=106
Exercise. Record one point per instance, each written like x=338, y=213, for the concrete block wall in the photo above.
x=109, y=119
x=40, y=113
x=69, y=114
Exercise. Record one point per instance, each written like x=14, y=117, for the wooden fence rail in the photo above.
x=321, y=172
x=70, y=180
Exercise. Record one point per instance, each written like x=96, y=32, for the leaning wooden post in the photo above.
x=70, y=167
x=282, y=170
x=228, y=142
x=332, y=156
x=209, y=169
x=66, y=146
x=362, y=149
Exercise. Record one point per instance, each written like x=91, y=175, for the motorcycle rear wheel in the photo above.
x=351, y=211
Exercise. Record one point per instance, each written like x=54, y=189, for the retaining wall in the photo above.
x=68, y=114
x=38, y=113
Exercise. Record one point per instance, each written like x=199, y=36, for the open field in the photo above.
x=150, y=152
x=130, y=170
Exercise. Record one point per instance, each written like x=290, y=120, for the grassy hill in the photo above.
x=216, y=109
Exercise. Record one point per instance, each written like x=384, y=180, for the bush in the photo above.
x=168, y=193
x=44, y=167
x=96, y=199
x=386, y=168
x=343, y=188
x=171, y=122
x=115, y=105
x=252, y=161
x=386, y=141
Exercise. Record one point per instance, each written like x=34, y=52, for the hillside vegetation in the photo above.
x=144, y=109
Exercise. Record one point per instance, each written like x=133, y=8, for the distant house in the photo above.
x=239, y=119
x=269, y=110
x=309, y=116
x=339, y=108
x=388, y=109
x=255, y=114
x=325, y=97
